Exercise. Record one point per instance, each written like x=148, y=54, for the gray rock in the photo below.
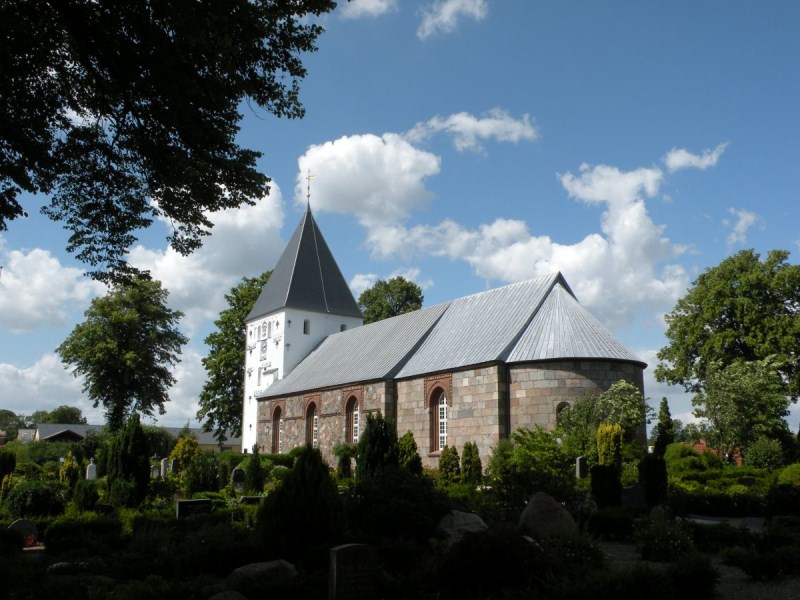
x=456, y=524
x=543, y=518
x=228, y=595
x=257, y=579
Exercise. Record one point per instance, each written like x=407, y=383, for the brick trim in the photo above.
x=356, y=391
x=308, y=400
x=444, y=381
x=277, y=404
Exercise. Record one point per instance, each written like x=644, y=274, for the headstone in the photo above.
x=237, y=478
x=456, y=524
x=353, y=573
x=164, y=467
x=155, y=471
x=173, y=466
x=543, y=518
x=191, y=508
x=91, y=470
x=28, y=531
x=581, y=470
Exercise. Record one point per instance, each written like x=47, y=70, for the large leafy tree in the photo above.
x=125, y=350
x=70, y=415
x=742, y=402
x=223, y=392
x=742, y=309
x=389, y=298
x=624, y=404
x=129, y=111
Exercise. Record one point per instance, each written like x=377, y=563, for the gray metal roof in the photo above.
x=562, y=329
x=48, y=430
x=367, y=353
x=306, y=277
x=480, y=328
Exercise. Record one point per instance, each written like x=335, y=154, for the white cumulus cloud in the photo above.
x=375, y=178
x=356, y=9
x=469, y=131
x=679, y=158
x=744, y=221
x=361, y=281
x=37, y=291
x=443, y=15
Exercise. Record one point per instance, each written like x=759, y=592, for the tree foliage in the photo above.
x=664, y=431
x=409, y=458
x=223, y=392
x=128, y=464
x=741, y=402
x=125, y=350
x=68, y=415
x=185, y=451
x=389, y=298
x=254, y=473
x=378, y=448
x=576, y=428
x=127, y=112
x=624, y=404
x=449, y=465
x=742, y=309
x=471, y=466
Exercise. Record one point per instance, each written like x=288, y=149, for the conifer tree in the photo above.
x=471, y=467
x=409, y=454
x=128, y=466
x=664, y=431
x=378, y=449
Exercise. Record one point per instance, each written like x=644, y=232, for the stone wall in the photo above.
x=537, y=389
x=330, y=409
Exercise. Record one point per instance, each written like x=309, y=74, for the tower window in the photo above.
x=343, y=327
x=306, y=326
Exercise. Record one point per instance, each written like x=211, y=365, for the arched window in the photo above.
x=559, y=409
x=353, y=417
x=277, y=431
x=438, y=420
x=312, y=425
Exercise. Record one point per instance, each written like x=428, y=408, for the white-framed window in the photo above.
x=312, y=426
x=439, y=422
x=277, y=430
x=353, y=416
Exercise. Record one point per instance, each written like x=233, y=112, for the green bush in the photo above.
x=664, y=542
x=85, y=495
x=471, y=467
x=783, y=499
x=378, y=448
x=449, y=465
x=409, y=454
x=34, y=498
x=609, y=444
x=70, y=471
x=764, y=453
x=615, y=523
x=201, y=474
x=254, y=473
x=606, y=485
x=86, y=536
x=345, y=452
x=8, y=462
x=122, y=493
x=304, y=511
x=790, y=475
x=715, y=538
x=653, y=479
x=128, y=461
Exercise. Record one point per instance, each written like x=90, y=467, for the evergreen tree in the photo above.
x=378, y=449
x=471, y=467
x=409, y=454
x=449, y=465
x=664, y=431
x=128, y=466
x=254, y=473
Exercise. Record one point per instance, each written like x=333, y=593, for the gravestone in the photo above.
x=353, y=573
x=155, y=471
x=191, y=508
x=28, y=531
x=91, y=470
x=164, y=467
x=581, y=471
x=173, y=466
x=237, y=478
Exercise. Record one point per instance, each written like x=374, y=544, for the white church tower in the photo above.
x=305, y=300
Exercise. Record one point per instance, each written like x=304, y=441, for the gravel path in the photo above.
x=733, y=583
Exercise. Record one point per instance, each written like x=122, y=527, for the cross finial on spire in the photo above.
x=309, y=177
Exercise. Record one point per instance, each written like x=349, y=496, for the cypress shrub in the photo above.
x=303, y=512
x=471, y=467
x=128, y=461
x=378, y=449
x=653, y=479
x=409, y=454
x=202, y=474
x=85, y=495
x=70, y=471
x=609, y=444
x=449, y=466
x=254, y=475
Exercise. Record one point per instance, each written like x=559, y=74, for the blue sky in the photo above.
x=470, y=143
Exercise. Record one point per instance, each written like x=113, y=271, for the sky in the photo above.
x=467, y=144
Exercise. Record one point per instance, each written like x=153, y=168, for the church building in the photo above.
x=471, y=369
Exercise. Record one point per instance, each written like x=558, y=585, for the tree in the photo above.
x=389, y=298
x=223, y=392
x=742, y=309
x=128, y=466
x=127, y=112
x=125, y=350
x=742, y=402
x=10, y=422
x=378, y=449
x=664, y=431
x=576, y=428
x=624, y=404
x=409, y=458
x=185, y=451
x=67, y=415
x=449, y=465
x=471, y=467
x=254, y=474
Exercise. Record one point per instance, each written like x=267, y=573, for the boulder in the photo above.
x=257, y=580
x=543, y=518
x=456, y=524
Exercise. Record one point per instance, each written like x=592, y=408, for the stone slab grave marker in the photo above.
x=155, y=471
x=237, y=478
x=353, y=573
x=91, y=470
x=191, y=508
x=164, y=467
x=581, y=471
x=28, y=531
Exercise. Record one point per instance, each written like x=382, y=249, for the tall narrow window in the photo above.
x=306, y=326
x=277, y=431
x=312, y=426
x=438, y=421
x=353, y=417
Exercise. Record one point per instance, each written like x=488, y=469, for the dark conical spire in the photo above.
x=306, y=277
